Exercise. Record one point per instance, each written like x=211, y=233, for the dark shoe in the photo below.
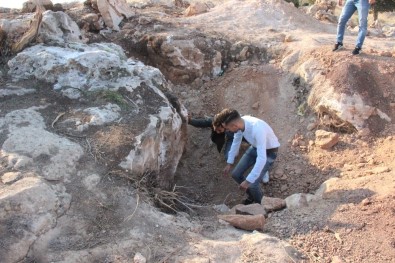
x=338, y=46
x=356, y=51
x=248, y=201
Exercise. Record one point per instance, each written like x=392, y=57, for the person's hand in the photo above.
x=372, y=2
x=228, y=169
x=189, y=117
x=244, y=185
x=340, y=2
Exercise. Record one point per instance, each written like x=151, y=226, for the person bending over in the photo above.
x=261, y=154
x=222, y=138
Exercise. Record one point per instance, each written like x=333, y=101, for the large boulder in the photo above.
x=104, y=70
x=299, y=200
x=356, y=93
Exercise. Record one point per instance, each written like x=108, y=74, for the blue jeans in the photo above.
x=254, y=191
x=362, y=6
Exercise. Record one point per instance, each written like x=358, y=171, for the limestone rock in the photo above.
x=33, y=142
x=252, y=209
x=29, y=208
x=57, y=28
x=326, y=140
x=91, y=23
x=17, y=26
x=113, y=12
x=380, y=170
x=196, y=9
x=139, y=258
x=157, y=145
x=30, y=5
x=325, y=189
x=245, y=222
x=273, y=204
x=11, y=177
x=299, y=200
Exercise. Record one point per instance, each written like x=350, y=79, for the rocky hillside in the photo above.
x=97, y=163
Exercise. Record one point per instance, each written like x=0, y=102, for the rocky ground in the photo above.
x=92, y=138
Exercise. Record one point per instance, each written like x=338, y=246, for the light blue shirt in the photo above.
x=260, y=135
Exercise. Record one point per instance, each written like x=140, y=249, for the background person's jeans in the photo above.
x=362, y=6
x=254, y=190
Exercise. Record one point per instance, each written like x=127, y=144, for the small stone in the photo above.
x=158, y=28
x=366, y=202
x=288, y=38
x=273, y=204
x=11, y=177
x=380, y=170
x=246, y=222
x=139, y=258
x=252, y=209
x=255, y=106
x=222, y=208
x=284, y=188
x=311, y=126
x=196, y=9
x=325, y=139
x=337, y=259
x=143, y=20
x=386, y=54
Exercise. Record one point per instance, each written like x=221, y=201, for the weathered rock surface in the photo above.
x=325, y=139
x=351, y=95
x=30, y=5
x=299, y=200
x=323, y=10
x=252, y=209
x=57, y=28
x=196, y=9
x=28, y=208
x=113, y=12
x=245, y=222
x=273, y=204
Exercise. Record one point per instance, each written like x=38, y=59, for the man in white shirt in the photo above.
x=261, y=154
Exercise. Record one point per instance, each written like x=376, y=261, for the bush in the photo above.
x=383, y=6
x=295, y=2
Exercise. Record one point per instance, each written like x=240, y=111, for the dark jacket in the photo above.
x=218, y=138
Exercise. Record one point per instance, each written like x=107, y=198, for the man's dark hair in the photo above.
x=225, y=116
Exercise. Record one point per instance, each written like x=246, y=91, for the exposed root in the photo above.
x=332, y=121
x=57, y=118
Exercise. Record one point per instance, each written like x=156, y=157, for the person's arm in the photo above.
x=201, y=123
x=234, y=149
x=260, y=138
x=372, y=2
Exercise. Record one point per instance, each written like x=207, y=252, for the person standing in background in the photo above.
x=362, y=6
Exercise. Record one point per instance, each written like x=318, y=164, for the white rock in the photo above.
x=57, y=28
x=299, y=200
x=28, y=138
x=113, y=12
x=82, y=66
x=31, y=206
x=102, y=115
x=139, y=258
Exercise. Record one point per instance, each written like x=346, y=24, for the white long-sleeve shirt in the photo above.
x=260, y=135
